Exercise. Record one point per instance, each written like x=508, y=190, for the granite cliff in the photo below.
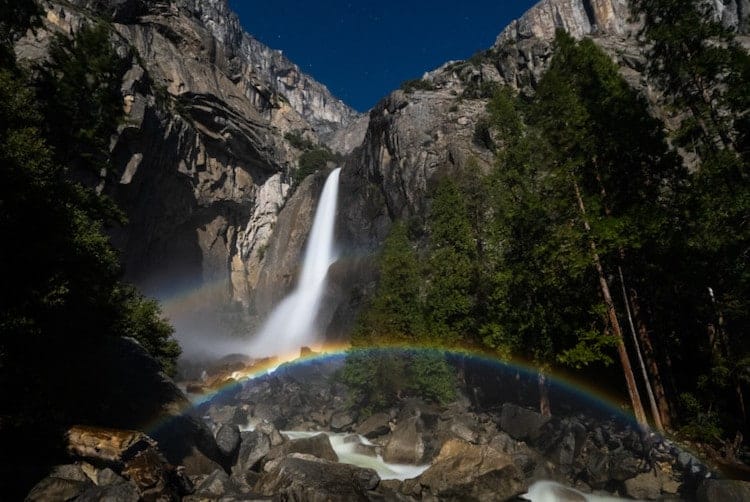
x=201, y=164
x=204, y=170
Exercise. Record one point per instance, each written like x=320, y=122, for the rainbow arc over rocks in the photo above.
x=587, y=395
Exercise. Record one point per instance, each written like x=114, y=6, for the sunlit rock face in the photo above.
x=201, y=166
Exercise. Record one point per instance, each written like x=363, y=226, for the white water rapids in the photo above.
x=291, y=325
x=357, y=450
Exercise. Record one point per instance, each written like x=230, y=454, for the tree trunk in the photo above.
x=544, y=405
x=660, y=408
x=651, y=361
x=635, y=398
x=651, y=399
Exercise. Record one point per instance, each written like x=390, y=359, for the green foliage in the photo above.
x=451, y=261
x=699, y=424
x=479, y=89
x=417, y=84
x=141, y=319
x=80, y=93
x=298, y=141
x=62, y=297
x=506, y=259
x=375, y=379
x=379, y=378
x=700, y=67
x=432, y=377
x=312, y=161
x=395, y=313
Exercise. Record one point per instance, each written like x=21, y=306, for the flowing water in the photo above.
x=549, y=491
x=291, y=325
x=357, y=450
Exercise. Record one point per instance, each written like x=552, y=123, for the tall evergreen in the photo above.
x=395, y=313
x=704, y=74
x=451, y=280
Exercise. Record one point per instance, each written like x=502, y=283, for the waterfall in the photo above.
x=291, y=325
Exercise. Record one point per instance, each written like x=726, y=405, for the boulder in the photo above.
x=123, y=454
x=465, y=470
x=120, y=492
x=228, y=415
x=188, y=441
x=318, y=446
x=254, y=446
x=228, y=440
x=154, y=478
x=106, y=446
x=73, y=472
x=107, y=476
x=374, y=426
x=214, y=486
x=719, y=490
x=304, y=477
x=624, y=465
x=644, y=486
x=406, y=444
x=341, y=421
x=521, y=423
x=271, y=431
x=52, y=488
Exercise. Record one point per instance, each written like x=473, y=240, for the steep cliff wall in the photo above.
x=201, y=165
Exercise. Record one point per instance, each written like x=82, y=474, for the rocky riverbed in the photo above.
x=292, y=435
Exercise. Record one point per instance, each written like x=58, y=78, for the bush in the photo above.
x=378, y=378
x=312, y=161
x=298, y=141
x=417, y=84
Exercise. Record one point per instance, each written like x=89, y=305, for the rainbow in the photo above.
x=584, y=392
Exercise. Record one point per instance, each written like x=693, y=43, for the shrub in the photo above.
x=298, y=141
x=378, y=378
x=417, y=84
x=312, y=161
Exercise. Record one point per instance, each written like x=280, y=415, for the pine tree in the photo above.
x=450, y=288
x=395, y=314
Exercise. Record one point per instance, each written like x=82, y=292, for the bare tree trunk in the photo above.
x=651, y=361
x=660, y=413
x=544, y=405
x=651, y=399
x=741, y=400
x=635, y=398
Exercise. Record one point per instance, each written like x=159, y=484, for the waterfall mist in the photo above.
x=291, y=325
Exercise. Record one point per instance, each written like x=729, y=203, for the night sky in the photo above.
x=363, y=50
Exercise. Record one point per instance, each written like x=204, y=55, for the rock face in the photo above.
x=201, y=165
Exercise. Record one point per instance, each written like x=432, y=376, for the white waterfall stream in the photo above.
x=291, y=325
